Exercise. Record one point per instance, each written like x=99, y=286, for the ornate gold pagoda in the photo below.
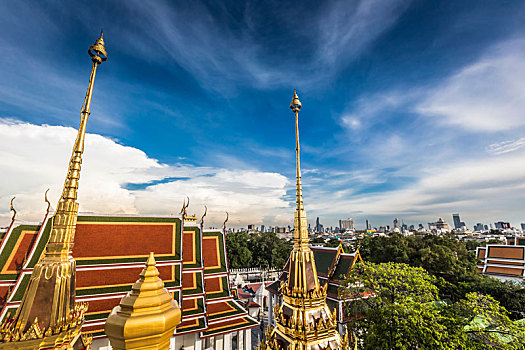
x=303, y=320
x=48, y=316
x=146, y=316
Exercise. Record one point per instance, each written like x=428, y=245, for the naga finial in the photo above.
x=47, y=200
x=225, y=221
x=185, y=206
x=13, y=208
x=203, y=215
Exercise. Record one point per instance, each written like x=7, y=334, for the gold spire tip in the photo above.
x=151, y=260
x=97, y=51
x=295, y=105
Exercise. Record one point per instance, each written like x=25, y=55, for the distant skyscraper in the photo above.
x=479, y=227
x=523, y=226
x=262, y=228
x=368, y=226
x=500, y=225
x=457, y=221
x=346, y=225
x=318, y=226
x=397, y=224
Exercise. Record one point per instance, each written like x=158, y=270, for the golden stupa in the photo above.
x=49, y=317
x=146, y=317
x=303, y=320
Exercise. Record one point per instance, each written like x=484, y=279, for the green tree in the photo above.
x=449, y=260
x=486, y=324
x=318, y=240
x=333, y=242
x=268, y=250
x=399, y=308
x=239, y=254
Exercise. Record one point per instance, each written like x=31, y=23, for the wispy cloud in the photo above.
x=485, y=96
x=224, y=57
x=506, y=146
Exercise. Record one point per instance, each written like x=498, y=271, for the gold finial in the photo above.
x=97, y=51
x=151, y=260
x=13, y=208
x=295, y=105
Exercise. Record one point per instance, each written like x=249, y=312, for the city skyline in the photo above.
x=410, y=110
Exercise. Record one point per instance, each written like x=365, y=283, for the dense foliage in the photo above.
x=256, y=250
x=399, y=308
x=449, y=261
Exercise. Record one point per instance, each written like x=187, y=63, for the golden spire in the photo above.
x=49, y=299
x=146, y=316
x=303, y=320
x=300, y=222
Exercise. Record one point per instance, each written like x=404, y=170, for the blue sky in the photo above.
x=411, y=109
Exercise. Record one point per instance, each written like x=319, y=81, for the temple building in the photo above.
x=110, y=252
x=303, y=319
x=90, y=263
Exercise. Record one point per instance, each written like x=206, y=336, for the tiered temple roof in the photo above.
x=111, y=251
x=332, y=265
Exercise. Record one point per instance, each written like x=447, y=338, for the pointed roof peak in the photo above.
x=151, y=260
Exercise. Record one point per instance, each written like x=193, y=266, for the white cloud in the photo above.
x=485, y=96
x=506, y=146
x=34, y=157
x=482, y=189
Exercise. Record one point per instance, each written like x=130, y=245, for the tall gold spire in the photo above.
x=300, y=222
x=303, y=274
x=49, y=301
x=303, y=320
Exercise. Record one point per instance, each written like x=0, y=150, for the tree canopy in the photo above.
x=449, y=260
x=399, y=308
x=260, y=249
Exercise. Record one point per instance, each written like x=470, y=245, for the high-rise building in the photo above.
x=368, y=226
x=346, y=225
x=440, y=225
x=501, y=225
x=523, y=226
x=458, y=224
x=478, y=227
x=262, y=228
x=397, y=224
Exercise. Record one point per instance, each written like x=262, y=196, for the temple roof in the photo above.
x=111, y=251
